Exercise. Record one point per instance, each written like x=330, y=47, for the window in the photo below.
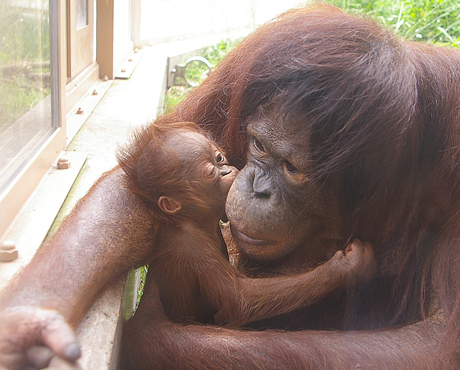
x=82, y=14
x=28, y=79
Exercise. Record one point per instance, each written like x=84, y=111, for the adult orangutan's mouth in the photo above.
x=238, y=235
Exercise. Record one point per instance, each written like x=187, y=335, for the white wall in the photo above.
x=163, y=20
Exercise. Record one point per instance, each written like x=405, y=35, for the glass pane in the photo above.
x=82, y=13
x=25, y=83
x=122, y=30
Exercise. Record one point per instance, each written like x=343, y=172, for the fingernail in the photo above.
x=73, y=352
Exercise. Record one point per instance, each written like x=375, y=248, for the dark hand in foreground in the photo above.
x=31, y=336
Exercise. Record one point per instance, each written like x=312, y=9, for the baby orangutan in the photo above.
x=185, y=177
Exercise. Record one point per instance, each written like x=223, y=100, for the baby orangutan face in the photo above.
x=205, y=166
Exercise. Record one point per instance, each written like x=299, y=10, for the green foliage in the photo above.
x=174, y=95
x=217, y=52
x=197, y=72
x=16, y=98
x=24, y=57
x=129, y=305
x=434, y=21
x=140, y=289
x=24, y=31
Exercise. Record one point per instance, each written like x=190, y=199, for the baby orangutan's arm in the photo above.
x=240, y=299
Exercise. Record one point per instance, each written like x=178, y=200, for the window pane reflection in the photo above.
x=82, y=14
x=25, y=83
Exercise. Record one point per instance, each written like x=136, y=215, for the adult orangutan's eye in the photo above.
x=290, y=168
x=259, y=146
x=293, y=173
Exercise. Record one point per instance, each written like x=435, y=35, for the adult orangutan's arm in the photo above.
x=107, y=233
x=412, y=347
x=152, y=342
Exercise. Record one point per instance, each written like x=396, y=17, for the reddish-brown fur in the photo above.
x=189, y=260
x=398, y=150
x=385, y=115
x=383, y=119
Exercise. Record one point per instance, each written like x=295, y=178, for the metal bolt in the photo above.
x=80, y=110
x=94, y=92
x=130, y=60
x=7, y=246
x=8, y=252
x=123, y=70
x=63, y=163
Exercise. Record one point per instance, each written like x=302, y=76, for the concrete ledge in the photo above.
x=100, y=333
x=31, y=226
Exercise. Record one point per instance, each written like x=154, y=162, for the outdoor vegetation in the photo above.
x=24, y=57
x=196, y=71
x=433, y=21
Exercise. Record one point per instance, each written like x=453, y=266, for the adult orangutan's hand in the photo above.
x=31, y=336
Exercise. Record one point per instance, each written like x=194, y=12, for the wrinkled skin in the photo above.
x=50, y=332
x=275, y=206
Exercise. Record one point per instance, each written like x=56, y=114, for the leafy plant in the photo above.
x=434, y=21
x=218, y=52
x=24, y=57
x=214, y=54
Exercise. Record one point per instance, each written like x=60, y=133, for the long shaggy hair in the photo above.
x=383, y=115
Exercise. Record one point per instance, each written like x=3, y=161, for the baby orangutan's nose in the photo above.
x=225, y=170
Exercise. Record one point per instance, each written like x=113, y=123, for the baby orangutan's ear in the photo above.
x=169, y=205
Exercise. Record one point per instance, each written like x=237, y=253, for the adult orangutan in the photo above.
x=348, y=132
x=184, y=177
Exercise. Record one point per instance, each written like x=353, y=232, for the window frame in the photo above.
x=16, y=194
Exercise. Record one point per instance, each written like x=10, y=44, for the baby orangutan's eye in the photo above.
x=220, y=157
x=210, y=170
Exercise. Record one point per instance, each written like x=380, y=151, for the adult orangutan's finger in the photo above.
x=60, y=338
x=39, y=356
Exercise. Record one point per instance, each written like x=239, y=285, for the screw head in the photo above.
x=8, y=252
x=63, y=163
x=7, y=245
x=80, y=110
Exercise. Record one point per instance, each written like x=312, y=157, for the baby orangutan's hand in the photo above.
x=356, y=262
